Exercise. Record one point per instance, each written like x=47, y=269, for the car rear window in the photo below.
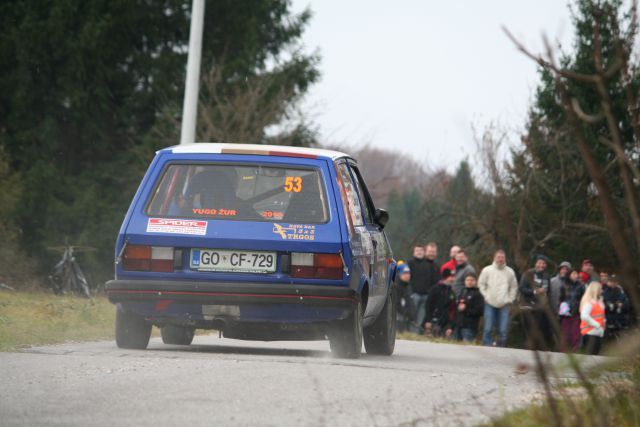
x=244, y=192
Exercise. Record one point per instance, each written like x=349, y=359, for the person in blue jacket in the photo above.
x=405, y=308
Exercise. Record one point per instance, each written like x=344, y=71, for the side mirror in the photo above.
x=381, y=217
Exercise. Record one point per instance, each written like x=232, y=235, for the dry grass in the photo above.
x=28, y=319
x=613, y=401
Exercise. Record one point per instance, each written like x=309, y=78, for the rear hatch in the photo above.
x=235, y=218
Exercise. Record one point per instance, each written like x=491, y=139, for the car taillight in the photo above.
x=316, y=266
x=148, y=258
x=161, y=259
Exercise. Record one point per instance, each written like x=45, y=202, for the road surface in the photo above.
x=226, y=382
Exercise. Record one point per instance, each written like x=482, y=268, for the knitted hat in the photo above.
x=542, y=258
x=403, y=268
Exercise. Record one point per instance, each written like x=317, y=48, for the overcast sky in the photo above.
x=415, y=75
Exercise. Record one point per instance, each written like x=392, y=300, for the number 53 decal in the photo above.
x=293, y=183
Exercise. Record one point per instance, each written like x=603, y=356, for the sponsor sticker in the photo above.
x=177, y=226
x=212, y=211
x=295, y=231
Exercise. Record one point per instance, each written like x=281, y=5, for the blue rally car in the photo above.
x=259, y=242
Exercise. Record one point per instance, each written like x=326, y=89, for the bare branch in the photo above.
x=587, y=78
x=589, y=118
x=619, y=152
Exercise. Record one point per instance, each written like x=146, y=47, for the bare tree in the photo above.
x=259, y=109
x=240, y=111
x=489, y=146
x=622, y=242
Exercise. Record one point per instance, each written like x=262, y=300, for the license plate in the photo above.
x=233, y=261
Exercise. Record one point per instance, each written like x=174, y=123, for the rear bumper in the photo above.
x=229, y=293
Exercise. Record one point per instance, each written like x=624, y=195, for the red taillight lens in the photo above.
x=162, y=265
x=137, y=252
x=137, y=258
x=302, y=272
x=316, y=266
x=328, y=273
x=148, y=258
x=327, y=260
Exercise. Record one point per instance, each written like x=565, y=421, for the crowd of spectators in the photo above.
x=573, y=310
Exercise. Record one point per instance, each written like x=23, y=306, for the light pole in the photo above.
x=190, y=106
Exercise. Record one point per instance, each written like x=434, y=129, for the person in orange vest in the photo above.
x=592, y=325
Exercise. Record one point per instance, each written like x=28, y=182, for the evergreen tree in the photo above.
x=83, y=84
x=548, y=178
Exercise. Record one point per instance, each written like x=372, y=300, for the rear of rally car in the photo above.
x=246, y=242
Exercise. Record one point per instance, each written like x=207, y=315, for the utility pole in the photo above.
x=191, y=89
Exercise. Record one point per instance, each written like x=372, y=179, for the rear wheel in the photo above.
x=380, y=337
x=131, y=330
x=177, y=335
x=346, y=338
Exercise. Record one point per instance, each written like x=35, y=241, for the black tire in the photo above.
x=346, y=338
x=380, y=336
x=177, y=335
x=131, y=330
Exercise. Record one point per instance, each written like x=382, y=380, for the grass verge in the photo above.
x=609, y=397
x=28, y=319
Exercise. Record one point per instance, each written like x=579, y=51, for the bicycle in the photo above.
x=67, y=276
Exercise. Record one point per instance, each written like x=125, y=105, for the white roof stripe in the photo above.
x=216, y=148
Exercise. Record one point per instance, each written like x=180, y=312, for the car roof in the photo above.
x=254, y=149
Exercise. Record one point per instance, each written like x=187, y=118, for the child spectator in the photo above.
x=592, y=325
x=404, y=304
x=469, y=309
x=441, y=307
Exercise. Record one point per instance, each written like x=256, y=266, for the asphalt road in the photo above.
x=227, y=382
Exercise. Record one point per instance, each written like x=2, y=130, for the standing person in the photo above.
x=588, y=272
x=534, y=292
x=499, y=287
x=616, y=308
x=441, y=307
x=557, y=283
x=592, y=325
x=451, y=264
x=569, y=311
x=604, y=279
x=463, y=268
x=469, y=309
x=405, y=309
x=424, y=275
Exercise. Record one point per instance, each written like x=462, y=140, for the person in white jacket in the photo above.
x=499, y=287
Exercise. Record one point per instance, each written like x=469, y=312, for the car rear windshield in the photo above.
x=244, y=192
